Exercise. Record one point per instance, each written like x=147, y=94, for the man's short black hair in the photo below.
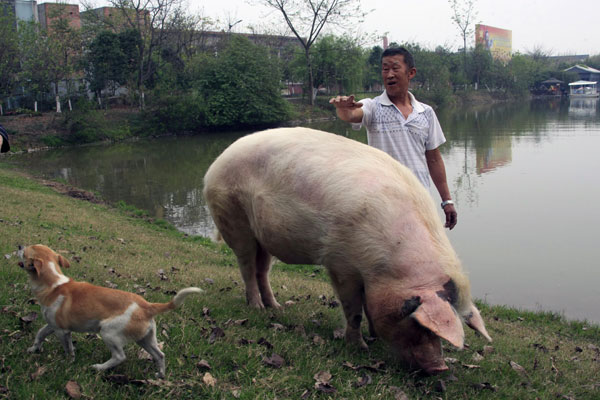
x=399, y=51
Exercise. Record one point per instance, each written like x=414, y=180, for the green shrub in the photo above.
x=52, y=141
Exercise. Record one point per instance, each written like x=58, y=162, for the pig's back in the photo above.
x=308, y=190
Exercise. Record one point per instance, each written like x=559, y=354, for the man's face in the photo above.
x=396, y=74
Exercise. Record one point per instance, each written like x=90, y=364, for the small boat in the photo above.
x=583, y=89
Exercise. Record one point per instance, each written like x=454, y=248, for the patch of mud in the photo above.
x=73, y=192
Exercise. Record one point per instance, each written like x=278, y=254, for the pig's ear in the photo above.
x=474, y=321
x=63, y=262
x=439, y=317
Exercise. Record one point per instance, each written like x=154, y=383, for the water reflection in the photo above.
x=521, y=174
x=582, y=107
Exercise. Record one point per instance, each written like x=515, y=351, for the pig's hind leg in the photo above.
x=263, y=266
x=349, y=289
x=255, y=264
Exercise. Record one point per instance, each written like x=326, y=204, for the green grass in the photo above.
x=124, y=247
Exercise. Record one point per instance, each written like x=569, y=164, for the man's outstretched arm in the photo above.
x=347, y=109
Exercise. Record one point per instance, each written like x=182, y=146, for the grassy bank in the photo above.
x=216, y=347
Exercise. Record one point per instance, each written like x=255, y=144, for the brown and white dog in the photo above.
x=69, y=306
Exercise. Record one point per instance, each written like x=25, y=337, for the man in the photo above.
x=4, y=145
x=401, y=126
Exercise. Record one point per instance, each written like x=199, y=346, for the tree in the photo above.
x=9, y=50
x=157, y=22
x=49, y=56
x=105, y=62
x=373, y=67
x=338, y=63
x=307, y=19
x=463, y=15
x=481, y=63
x=240, y=86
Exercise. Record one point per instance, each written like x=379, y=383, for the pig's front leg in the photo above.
x=350, y=292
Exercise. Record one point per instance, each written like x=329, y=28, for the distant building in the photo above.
x=23, y=10
x=49, y=12
x=116, y=18
x=585, y=73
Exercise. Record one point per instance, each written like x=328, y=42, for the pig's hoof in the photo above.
x=357, y=342
x=256, y=304
x=273, y=304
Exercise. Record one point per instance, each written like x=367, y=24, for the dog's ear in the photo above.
x=37, y=265
x=63, y=262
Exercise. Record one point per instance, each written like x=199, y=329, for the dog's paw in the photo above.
x=33, y=349
x=98, y=367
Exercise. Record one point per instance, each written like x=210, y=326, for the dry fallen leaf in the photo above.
x=339, y=333
x=73, y=389
x=203, y=364
x=477, y=357
x=264, y=342
x=398, y=393
x=277, y=327
x=209, y=380
x=318, y=340
x=323, y=376
x=593, y=348
x=215, y=334
x=325, y=388
x=364, y=381
x=290, y=303
x=488, y=350
x=485, y=385
x=471, y=366
x=451, y=360
x=275, y=361
x=518, y=368
x=40, y=371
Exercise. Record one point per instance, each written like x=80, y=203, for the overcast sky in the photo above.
x=555, y=26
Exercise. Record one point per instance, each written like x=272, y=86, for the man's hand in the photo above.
x=347, y=109
x=451, y=216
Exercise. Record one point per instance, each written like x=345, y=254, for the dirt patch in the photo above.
x=72, y=191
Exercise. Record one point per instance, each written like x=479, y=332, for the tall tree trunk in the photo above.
x=311, y=85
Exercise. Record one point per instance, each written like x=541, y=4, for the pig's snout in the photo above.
x=421, y=349
x=434, y=369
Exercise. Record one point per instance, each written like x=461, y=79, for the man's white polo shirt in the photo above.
x=405, y=139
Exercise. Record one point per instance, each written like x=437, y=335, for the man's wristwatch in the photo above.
x=446, y=202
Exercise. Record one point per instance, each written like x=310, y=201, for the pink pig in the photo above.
x=311, y=197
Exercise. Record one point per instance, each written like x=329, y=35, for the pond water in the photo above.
x=524, y=178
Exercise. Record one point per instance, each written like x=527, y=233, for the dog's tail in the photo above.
x=158, y=308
